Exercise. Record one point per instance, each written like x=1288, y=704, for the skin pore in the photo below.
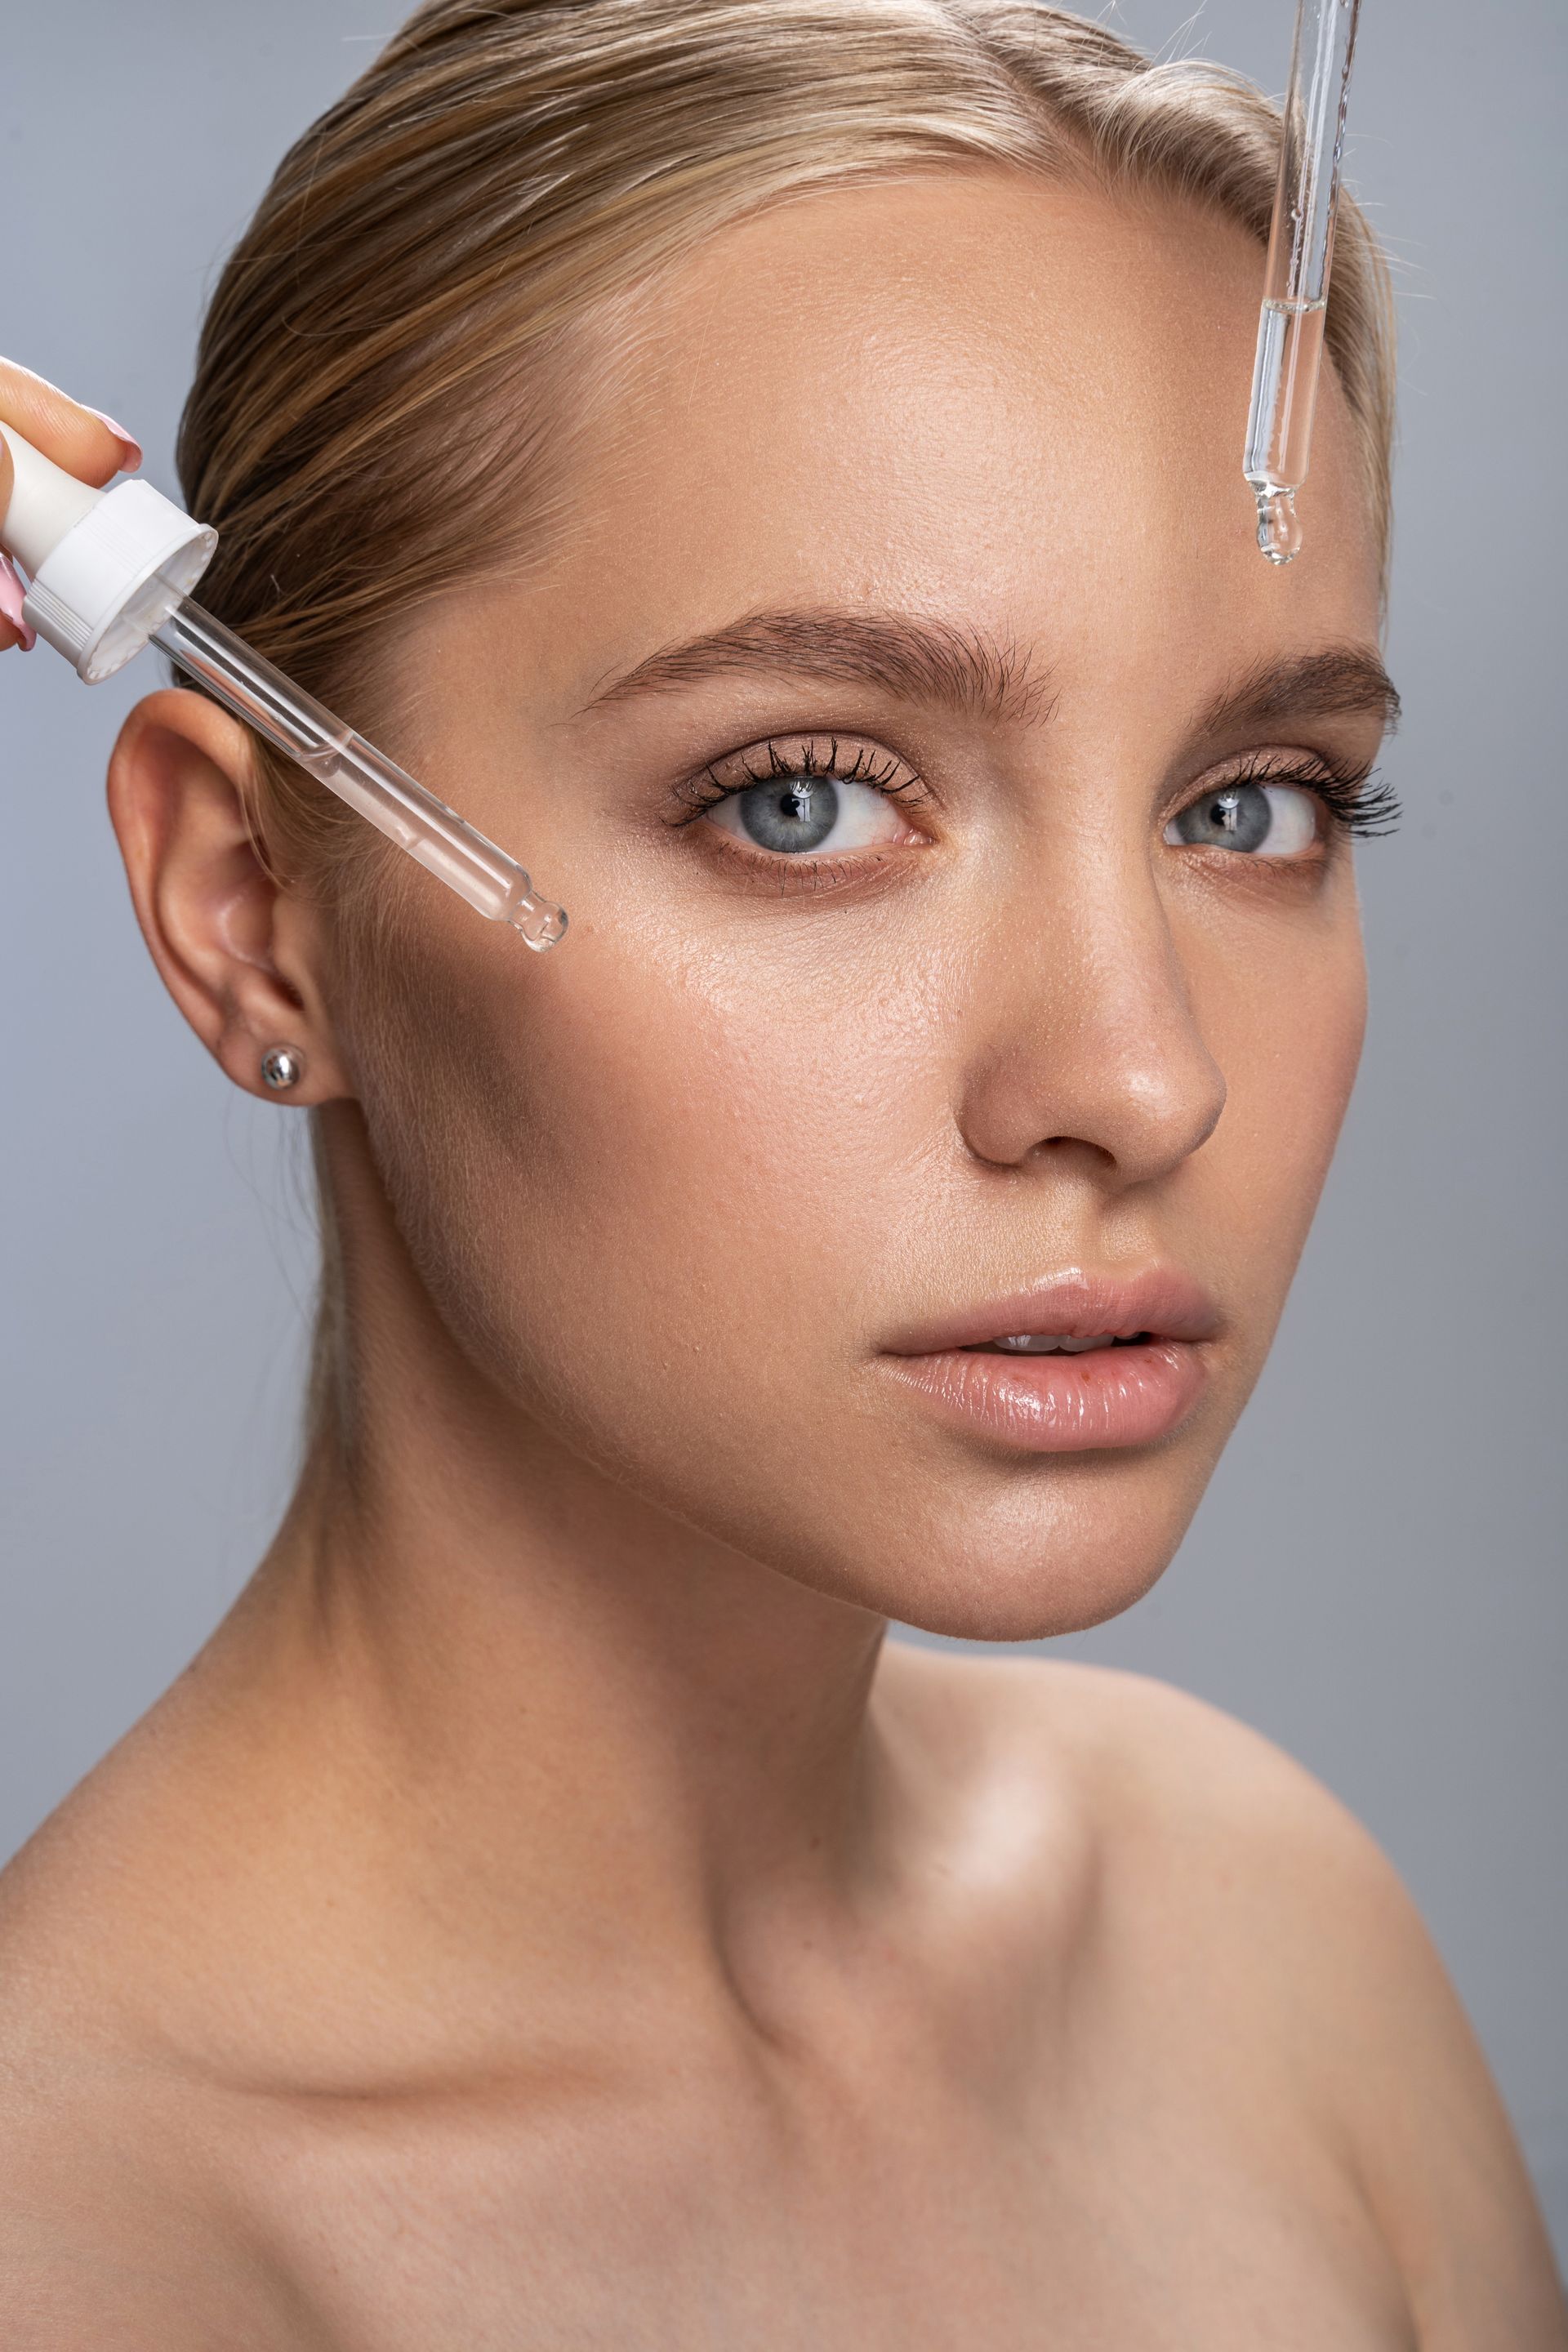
x=546, y=1904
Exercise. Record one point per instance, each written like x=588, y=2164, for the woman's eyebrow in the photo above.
x=1346, y=680
x=968, y=670
x=925, y=659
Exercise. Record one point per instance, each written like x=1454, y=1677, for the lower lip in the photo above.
x=1062, y=1404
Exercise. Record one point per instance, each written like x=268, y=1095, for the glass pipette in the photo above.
x=110, y=571
x=360, y=774
x=1296, y=285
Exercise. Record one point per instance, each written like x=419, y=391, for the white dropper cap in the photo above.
x=107, y=567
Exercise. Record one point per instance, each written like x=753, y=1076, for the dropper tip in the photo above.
x=1278, y=526
x=541, y=924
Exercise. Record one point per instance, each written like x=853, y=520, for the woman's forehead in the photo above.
x=980, y=395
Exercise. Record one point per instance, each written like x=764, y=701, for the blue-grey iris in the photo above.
x=790, y=811
x=1237, y=817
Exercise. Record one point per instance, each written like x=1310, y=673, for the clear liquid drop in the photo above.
x=542, y=924
x=1278, y=526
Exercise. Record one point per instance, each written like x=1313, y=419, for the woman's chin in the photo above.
x=1011, y=1589
x=1023, y=1603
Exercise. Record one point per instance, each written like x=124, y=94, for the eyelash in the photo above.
x=705, y=791
x=1358, y=806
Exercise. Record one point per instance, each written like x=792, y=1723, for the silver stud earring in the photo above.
x=282, y=1066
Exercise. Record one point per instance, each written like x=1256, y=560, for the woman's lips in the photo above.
x=1068, y=1404
x=1063, y=1404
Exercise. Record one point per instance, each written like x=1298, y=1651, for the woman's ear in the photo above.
x=238, y=951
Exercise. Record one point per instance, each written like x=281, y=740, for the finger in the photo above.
x=86, y=443
x=14, y=629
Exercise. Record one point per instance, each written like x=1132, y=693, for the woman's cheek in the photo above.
x=1287, y=1032
x=683, y=1162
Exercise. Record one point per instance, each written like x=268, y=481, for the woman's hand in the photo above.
x=86, y=444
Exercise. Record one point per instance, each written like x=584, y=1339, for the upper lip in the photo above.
x=1078, y=1303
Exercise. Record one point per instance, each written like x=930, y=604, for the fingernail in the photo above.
x=131, y=446
x=11, y=594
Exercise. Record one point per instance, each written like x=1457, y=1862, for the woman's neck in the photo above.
x=538, y=1697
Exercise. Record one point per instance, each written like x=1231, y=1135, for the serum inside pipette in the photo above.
x=1290, y=326
x=1279, y=428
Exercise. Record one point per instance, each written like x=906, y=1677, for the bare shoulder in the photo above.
x=100, y=2248
x=1261, y=1896
x=113, y=2232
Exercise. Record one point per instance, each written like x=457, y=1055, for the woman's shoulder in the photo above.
x=1163, y=1780
x=1196, y=1830
x=1172, y=1789
x=1254, y=1910
x=1204, y=1833
x=111, y=2233
x=104, y=2239
x=107, y=2234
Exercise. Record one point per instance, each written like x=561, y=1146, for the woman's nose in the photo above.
x=1086, y=1035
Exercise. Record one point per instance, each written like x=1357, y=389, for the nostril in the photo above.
x=1056, y=1144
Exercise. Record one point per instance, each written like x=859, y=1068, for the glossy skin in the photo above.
x=546, y=1911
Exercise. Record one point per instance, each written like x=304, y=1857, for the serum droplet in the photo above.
x=1278, y=526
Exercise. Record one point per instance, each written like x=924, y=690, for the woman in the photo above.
x=771, y=466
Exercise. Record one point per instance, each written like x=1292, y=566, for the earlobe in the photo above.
x=220, y=928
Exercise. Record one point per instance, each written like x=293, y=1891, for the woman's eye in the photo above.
x=1264, y=820
x=796, y=813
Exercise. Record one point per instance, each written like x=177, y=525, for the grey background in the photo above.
x=1377, y=1576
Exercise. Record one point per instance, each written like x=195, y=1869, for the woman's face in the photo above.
x=962, y=947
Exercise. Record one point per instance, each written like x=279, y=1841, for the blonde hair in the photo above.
x=384, y=372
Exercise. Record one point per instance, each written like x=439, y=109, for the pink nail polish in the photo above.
x=131, y=446
x=11, y=594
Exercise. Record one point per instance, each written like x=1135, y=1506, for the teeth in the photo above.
x=1044, y=1343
